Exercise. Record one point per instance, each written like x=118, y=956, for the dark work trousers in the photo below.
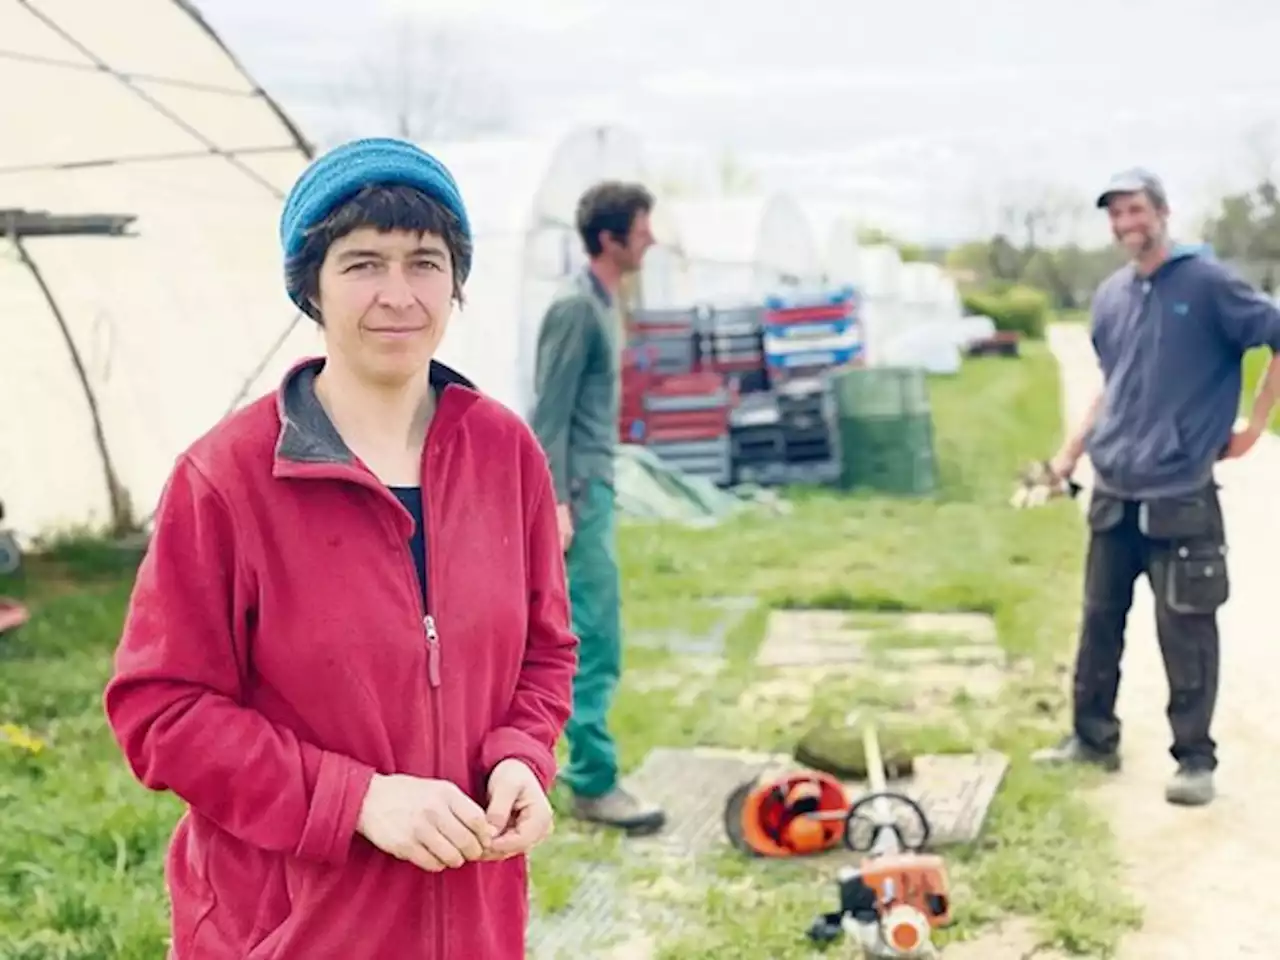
x=1181, y=546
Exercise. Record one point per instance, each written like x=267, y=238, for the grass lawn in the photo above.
x=1255, y=363
x=81, y=844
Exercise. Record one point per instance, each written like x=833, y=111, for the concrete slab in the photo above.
x=706, y=643
x=974, y=628
x=592, y=922
x=813, y=637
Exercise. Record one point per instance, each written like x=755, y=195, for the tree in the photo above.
x=1246, y=229
x=1245, y=226
x=869, y=236
x=421, y=84
x=1037, y=239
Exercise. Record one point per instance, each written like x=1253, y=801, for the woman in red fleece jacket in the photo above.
x=348, y=647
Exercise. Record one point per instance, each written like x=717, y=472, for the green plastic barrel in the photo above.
x=886, y=431
x=881, y=391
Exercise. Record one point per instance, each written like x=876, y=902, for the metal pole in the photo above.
x=886, y=840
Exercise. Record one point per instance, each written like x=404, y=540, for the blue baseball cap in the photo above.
x=1134, y=180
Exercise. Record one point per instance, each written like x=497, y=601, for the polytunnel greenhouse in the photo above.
x=141, y=293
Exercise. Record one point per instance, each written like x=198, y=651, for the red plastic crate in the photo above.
x=737, y=365
x=713, y=420
x=639, y=359
x=683, y=433
x=636, y=385
x=809, y=314
x=688, y=384
x=637, y=382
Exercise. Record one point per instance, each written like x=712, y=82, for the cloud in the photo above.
x=545, y=16
x=722, y=82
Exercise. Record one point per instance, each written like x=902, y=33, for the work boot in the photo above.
x=1190, y=787
x=1074, y=750
x=620, y=809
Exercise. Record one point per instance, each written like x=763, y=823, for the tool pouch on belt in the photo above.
x=1105, y=512
x=1193, y=529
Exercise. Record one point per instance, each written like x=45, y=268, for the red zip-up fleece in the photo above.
x=277, y=653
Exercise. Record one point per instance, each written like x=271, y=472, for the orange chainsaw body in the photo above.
x=918, y=880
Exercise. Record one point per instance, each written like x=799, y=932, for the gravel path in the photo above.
x=1206, y=878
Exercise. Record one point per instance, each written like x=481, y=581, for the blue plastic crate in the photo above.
x=814, y=359
x=779, y=349
x=815, y=330
x=841, y=295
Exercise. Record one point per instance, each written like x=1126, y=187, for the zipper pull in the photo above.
x=433, y=649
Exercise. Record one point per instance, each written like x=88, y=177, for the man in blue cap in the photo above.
x=1170, y=330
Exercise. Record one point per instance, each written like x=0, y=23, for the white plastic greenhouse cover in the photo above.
x=522, y=195
x=840, y=253
x=919, y=283
x=734, y=250
x=876, y=272
x=949, y=295
x=131, y=108
x=930, y=292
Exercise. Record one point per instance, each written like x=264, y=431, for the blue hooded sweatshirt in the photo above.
x=1170, y=347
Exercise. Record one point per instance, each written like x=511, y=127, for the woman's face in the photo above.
x=386, y=300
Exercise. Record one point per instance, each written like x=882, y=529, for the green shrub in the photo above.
x=1016, y=307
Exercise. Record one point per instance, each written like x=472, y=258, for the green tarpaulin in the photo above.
x=649, y=489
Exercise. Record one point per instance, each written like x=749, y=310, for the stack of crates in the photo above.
x=758, y=445
x=671, y=403
x=786, y=436
x=740, y=394
x=686, y=424
x=810, y=429
x=670, y=335
x=637, y=378
x=806, y=337
x=731, y=342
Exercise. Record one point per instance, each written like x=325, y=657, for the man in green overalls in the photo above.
x=575, y=415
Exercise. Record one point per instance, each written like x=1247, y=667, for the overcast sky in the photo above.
x=924, y=112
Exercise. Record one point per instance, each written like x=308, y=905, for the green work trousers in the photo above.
x=595, y=601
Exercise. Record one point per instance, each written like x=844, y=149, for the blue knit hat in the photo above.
x=340, y=174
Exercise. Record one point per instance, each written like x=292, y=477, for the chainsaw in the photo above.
x=892, y=902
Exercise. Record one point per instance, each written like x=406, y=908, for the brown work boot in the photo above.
x=620, y=809
x=1074, y=750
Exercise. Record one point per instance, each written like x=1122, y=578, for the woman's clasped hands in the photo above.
x=435, y=825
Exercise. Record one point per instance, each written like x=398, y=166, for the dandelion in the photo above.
x=20, y=738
